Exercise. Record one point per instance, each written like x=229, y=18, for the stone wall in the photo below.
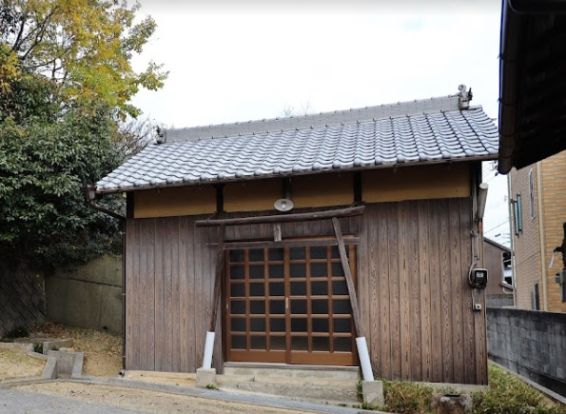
x=89, y=296
x=531, y=343
x=22, y=299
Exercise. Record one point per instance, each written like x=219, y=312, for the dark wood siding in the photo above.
x=418, y=314
x=412, y=282
x=169, y=270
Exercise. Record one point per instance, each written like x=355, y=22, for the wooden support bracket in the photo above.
x=217, y=279
x=348, y=276
x=277, y=236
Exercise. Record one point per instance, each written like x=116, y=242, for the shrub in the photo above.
x=508, y=394
x=407, y=397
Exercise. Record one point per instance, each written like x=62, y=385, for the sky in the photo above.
x=236, y=61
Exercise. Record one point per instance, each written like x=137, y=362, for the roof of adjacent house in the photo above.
x=434, y=130
x=496, y=244
x=532, y=109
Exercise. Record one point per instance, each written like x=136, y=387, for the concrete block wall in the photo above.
x=531, y=343
x=22, y=299
x=89, y=296
x=499, y=301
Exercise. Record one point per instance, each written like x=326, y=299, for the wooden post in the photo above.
x=348, y=276
x=277, y=237
x=363, y=353
x=217, y=279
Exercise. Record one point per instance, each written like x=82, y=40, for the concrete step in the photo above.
x=332, y=385
x=292, y=371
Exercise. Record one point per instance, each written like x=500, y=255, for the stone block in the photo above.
x=50, y=369
x=206, y=376
x=67, y=364
x=372, y=392
x=452, y=404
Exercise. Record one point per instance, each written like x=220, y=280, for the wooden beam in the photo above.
x=284, y=218
x=217, y=279
x=348, y=276
x=243, y=244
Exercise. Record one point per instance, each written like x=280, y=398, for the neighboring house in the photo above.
x=394, y=186
x=537, y=196
x=497, y=260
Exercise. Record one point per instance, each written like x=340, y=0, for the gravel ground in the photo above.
x=102, y=350
x=110, y=399
x=15, y=401
x=16, y=364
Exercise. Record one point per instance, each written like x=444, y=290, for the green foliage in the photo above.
x=213, y=387
x=28, y=99
x=359, y=391
x=83, y=46
x=65, y=84
x=44, y=169
x=508, y=394
x=407, y=397
x=38, y=347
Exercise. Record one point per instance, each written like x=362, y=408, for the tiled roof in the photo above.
x=365, y=138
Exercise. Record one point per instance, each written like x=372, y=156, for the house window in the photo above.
x=535, y=298
x=507, y=269
x=531, y=194
x=518, y=214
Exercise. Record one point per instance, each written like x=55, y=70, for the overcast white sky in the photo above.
x=234, y=61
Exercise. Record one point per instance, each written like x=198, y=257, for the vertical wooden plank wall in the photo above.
x=418, y=315
x=412, y=281
x=169, y=271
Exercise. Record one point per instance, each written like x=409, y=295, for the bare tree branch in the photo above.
x=16, y=45
x=39, y=37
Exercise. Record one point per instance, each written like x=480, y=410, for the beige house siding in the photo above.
x=554, y=206
x=526, y=245
x=534, y=245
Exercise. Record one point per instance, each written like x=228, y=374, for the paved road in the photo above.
x=119, y=396
x=14, y=401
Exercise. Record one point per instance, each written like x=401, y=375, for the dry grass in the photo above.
x=14, y=363
x=102, y=350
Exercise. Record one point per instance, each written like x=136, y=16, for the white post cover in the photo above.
x=365, y=363
x=208, y=346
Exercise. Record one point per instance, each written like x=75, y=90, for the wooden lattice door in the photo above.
x=288, y=304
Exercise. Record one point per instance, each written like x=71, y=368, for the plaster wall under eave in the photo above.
x=310, y=191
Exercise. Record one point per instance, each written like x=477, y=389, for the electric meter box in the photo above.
x=478, y=278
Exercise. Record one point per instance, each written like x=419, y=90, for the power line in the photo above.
x=497, y=226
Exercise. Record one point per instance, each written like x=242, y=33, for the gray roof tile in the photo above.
x=441, y=135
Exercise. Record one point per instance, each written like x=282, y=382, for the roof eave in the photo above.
x=489, y=157
x=513, y=150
